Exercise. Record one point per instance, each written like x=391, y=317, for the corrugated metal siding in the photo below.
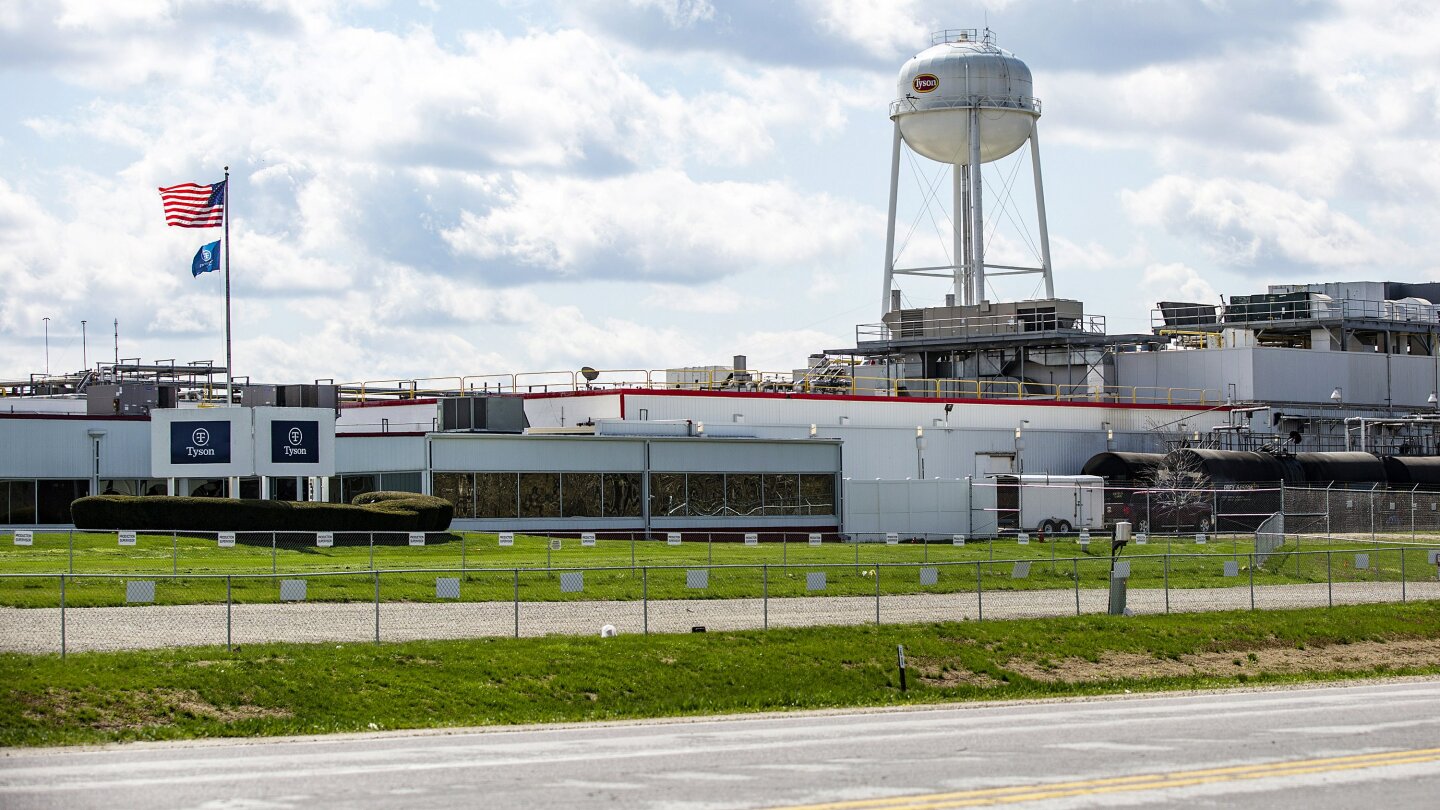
x=717, y=410
x=720, y=455
x=478, y=451
x=61, y=448
x=567, y=411
x=357, y=454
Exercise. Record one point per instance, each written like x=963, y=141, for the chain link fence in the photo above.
x=83, y=612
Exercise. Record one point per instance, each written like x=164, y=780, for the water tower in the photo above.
x=966, y=102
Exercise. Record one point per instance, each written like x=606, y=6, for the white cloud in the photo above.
x=1246, y=224
x=658, y=224
x=1177, y=282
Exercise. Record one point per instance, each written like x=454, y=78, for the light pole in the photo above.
x=47, y=346
x=84, y=352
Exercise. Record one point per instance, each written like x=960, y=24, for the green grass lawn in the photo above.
x=305, y=689
x=193, y=569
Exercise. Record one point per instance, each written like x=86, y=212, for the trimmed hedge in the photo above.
x=372, y=512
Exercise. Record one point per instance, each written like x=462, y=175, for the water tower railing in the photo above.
x=961, y=35
x=909, y=104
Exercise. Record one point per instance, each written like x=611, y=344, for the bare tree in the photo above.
x=1179, y=496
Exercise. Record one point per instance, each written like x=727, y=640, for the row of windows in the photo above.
x=540, y=494
x=588, y=494
x=31, y=501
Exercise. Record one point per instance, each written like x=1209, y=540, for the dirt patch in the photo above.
x=1361, y=656
x=131, y=710
x=934, y=672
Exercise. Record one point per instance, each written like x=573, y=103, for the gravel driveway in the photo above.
x=38, y=630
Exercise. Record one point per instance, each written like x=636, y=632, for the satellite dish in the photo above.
x=589, y=374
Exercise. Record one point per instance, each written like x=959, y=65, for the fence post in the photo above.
x=462, y=551
x=174, y=553
x=645, y=597
x=765, y=594
x=877, y=593
x=1167, y=581
x=1329, y=582
x=1075, y=570
x=273, y=554
x=71, y=565
x=785, y=548
x=857, y=554
x=979, y=594
x=377, y=606
x=62, y=617
x=1328, y=538
x=229, y=647
x=516, y=572
x=371, y=535
x=709, y=548
x=632, y=552
x=1252, y=580
x=1402, y=575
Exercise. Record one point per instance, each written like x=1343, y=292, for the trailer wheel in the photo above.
x=1047, y=526
x=1063, y=527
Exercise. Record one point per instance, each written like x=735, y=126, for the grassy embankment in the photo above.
x=853, y=572
x=305, y=689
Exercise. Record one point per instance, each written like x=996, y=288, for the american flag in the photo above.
x=191, y=205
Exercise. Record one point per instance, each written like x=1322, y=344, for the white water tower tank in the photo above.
x=963, y=70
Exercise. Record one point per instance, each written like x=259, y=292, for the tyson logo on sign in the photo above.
x=925, y=83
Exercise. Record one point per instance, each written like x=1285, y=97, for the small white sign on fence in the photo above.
x=1084, y=536
x=1122, y=570
x=1434, y=557
x=1021, y=570
x=507, y=538
x=417, y=538
x=447, y=587
x=587, y=539
x=697, y=578
x=1141, y=539
x=292, y=590
x=140, y=590
x=929, y=575
x=1232, y=568
x=814, y=539
x=892, y=538
x=324, y=539
x=572, y=582
x=815, y=581
x=1199, y=538
x=672, y=538
x=1362, y=561
x=957, y=539
x=1023, y=538
x=752, y=539
x=556, y=544
x=127, y=538
x=225, y=540
x=24, y=537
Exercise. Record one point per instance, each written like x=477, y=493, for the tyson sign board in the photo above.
x=294, y=441
x=925, y=83
x=208, y=443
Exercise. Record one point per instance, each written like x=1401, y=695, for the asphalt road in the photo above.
x=1336, y=747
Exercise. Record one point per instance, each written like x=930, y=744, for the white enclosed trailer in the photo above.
x=1046, y=503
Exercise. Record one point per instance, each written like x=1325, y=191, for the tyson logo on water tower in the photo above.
x=925, y=83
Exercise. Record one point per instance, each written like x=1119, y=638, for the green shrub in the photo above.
x=372, y=512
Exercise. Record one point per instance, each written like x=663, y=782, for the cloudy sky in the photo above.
x=441, y=187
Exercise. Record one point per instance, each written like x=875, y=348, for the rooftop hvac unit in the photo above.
x=493, y=414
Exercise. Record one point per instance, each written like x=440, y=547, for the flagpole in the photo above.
x=229, y=362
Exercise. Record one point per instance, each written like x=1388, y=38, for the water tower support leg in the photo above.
x=1040, y=210
x=977, y=221
x=890, y=226
x=957, y=220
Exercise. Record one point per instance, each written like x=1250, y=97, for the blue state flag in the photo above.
x=206, y=259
